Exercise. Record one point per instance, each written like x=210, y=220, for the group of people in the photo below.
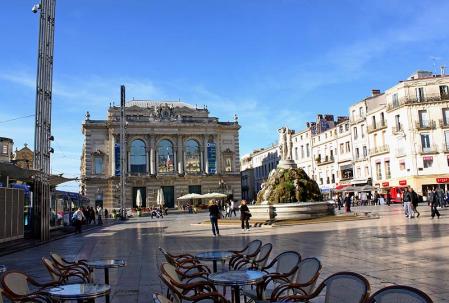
x=88, y=215
x=215, y=213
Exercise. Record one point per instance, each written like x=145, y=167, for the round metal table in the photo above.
x=105, y=264
x=78, y=292
x=237, y=279
x=214, y=256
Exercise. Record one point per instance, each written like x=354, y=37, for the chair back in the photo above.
x=399, y=293
x=287, y=263
x=55, y=273
x=308, y=273
x=158, y=298
x=57, y=259
x=253, y=248
x=167, y=256
x=346, y=287
x=15, y=283
x=1, y=295
x=264, y=253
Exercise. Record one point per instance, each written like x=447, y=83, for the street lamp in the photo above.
x=42, y=132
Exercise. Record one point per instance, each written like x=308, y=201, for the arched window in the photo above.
x=165, y=158
x=138, y=157
x=193, y=157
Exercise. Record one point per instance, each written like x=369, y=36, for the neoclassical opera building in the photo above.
x=172, y=146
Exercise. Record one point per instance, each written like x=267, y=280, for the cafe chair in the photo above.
x=181, y=259
x=19, y=287
x=63, y=264
x=249, y=252
x=281, y=270
x=64, y=276
x=179, y=290
x=158, y=298
x=347, y=287
x=258, y=262
x=399, y=293
x=185, y=264
x=306, y=278
x=201, y=298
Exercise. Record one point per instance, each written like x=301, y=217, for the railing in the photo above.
x=433, y=149
x=326, y=160
x=356, y=118
x=380, y=150
x=445, y=148
x=425, y=125
x=444, y=124
x=361, y=158
x=381, y=125
x=397, y=129
x=413, y=100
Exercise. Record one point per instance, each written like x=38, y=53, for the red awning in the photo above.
x=341, y=186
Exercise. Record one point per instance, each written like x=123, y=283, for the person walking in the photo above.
x=388, y=198
x=214, y=215
x=408, y=208
x=78, y=218
x=440, y=195
x=347, y=203
x=233, y=208
x=434, y=204
x=99, y=215
x=245, y=214
x=414, y=199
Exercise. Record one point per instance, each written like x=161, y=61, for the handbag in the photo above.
x=248, y=214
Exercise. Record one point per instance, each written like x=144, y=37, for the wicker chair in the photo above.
x=179, y=290
x=399, y=293
x=185, y=264
x=281, y=270
x=19, y=287
x=341, y=287
x=203, y=298
x=306, y=278
x=258, y=262
x=62, y=276
x=249, y=252
x=63, y=264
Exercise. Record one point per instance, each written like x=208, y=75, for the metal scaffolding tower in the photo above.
x=42, y=135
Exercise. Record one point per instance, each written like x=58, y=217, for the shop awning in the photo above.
x=360, y=181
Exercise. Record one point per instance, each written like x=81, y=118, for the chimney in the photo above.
x=443, y=70
x=375, y=92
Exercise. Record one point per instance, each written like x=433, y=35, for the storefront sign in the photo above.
x=427, y=158
x=403, y=182
x=117, y=159
x=211, y=158
x=385, y=184
x=442, y=180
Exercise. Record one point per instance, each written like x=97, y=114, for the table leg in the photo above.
x=106, y=281
x=214, y=262
x=237, y=294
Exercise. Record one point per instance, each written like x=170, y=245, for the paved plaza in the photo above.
x=392, y=249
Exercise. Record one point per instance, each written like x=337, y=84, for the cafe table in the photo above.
x=214, y=256
x=79, y=292
x=237, y=279
x=106, y=265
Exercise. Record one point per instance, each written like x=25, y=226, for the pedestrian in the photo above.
x=78, y=218
x=364, y=198
x=228, y=210
x=214, y=215
x=388, y=198
x=245, y=214
x=340, y=201
x=100, y=215
x=92, y=215
x=414, y=199
x=440, y=195
x=233, y=208
x=408, y=207
x=347, y=203
x=434, y=204
x=106, y=213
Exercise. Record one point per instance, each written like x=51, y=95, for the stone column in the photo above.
x=218, y=154
x=152, y=155
x=180, y=155
x=205, y=164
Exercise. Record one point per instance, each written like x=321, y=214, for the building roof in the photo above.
x=3, y=139
x=153, y=103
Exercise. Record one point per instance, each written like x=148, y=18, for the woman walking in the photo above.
x=245, y=214
x=214, y=214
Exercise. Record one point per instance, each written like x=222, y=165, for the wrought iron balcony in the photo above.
x=445, y=148
x=432, y=149
x=326, y=160
x=410, y=100
x=383, y=149
x=397, y=129
x=425, y=125
x=378, y=126
x=444, y=124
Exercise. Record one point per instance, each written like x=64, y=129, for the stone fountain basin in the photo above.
x=292, y=211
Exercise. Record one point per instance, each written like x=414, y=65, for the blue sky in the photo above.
x=273, y=62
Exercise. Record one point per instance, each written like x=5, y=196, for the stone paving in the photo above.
x=392, y=249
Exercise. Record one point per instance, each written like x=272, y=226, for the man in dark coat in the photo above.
x=434, y=204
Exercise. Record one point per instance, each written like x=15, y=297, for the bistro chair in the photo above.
x=179, y=290
x=185, y=264
x=259, y=261
x=19, y=287
x=281, y=270
x=306, y=278
x=63, y=264
x=181, y=259
x=203, y=298
x=62, y=276
x=341, y=287
x=399, y=293
x=249, y=252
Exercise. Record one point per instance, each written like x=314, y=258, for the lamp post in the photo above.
x=42, y=134
x=122, y=153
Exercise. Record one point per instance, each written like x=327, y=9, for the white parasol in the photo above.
x=190, y=196
x=138, y=199
x=214, y=196
x=160, y=197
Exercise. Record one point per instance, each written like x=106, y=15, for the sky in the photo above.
x=271, y=62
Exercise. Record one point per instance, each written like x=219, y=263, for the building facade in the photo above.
x=6, y=148
x=23, y=158
x=171, y=146
x=391, y=139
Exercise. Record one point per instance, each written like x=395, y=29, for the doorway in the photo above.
x=143, y=193
x=169, y=196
